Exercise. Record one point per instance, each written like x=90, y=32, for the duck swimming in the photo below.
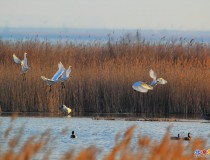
x=73, y=135
x=176, y=138
x=144, y=87
x=188, y=138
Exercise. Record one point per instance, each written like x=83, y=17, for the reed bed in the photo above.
x=102, y=76
x=38, y=147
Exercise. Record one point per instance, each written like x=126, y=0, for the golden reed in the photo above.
x=102, y=76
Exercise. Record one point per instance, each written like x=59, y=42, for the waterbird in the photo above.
x=65, y=109
x=24, y=64
x=65, y=76
x=55, y=78
x=188, y=138
x=144, y=87
x=175, y=138
x=73, y=135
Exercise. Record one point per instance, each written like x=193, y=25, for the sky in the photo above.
x=110, y=14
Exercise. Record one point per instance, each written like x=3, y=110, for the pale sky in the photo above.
x=112, y=14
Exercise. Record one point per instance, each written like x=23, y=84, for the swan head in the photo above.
x=161, y=81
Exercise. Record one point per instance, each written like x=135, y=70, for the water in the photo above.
x=100, y=133
x=86, y=36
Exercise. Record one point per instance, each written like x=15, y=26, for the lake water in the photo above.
x=85, y=36
x=100, y=133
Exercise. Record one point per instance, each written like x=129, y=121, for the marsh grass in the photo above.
x=38, y=147
x=103, y=75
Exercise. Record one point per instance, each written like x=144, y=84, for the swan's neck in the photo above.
x=154, y=83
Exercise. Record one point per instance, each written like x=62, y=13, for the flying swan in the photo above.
x=55, y=78
x=144, y=87
x=65, y=110
x=65, y=76
x=24, y=64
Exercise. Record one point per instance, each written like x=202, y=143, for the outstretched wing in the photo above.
x=58, y=74
x=16, y=59
x=68, y=72
x=138, y=87
x=60, y=65
x=48, y=81
x=45, y=79
x=152, y=74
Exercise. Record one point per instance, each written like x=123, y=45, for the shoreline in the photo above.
x=124, y=117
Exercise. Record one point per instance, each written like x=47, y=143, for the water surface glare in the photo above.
x=100, y=133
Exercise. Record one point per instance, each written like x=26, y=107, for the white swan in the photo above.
x=144, y=87
x=65, y=76
x=65, y=109
x=24, y=64
x=55, y=78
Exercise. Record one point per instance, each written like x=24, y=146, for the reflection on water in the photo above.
x=96, y=132
x=109, y=115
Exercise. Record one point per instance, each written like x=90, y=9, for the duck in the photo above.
x=188, y=138
x=23, y=63
x=73, y=135
x=65, y=109
x=144, y=87
x=65, y=76
x=176, y=138
x=55, y=78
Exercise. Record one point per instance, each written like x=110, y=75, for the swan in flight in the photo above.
x=65, y=76
x=24, y=64
x=55, y=78
x=65, y=109
x=144, y=87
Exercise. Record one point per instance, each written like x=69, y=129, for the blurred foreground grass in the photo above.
x=146, y=148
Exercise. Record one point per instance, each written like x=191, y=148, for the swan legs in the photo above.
x=24, y=76
x=50, y=89
x=62, y=85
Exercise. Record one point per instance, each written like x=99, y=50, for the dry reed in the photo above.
x=103, y=75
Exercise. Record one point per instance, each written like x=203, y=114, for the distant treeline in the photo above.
x=102, y=76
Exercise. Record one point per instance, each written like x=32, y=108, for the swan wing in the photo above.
x=16, y=59
x=58, y=74
x=68, y=72
x=137, y=86
x=48, y=81
x=60, y=65
x=64, y=74
x=152, y=74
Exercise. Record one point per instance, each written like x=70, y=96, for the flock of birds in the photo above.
x=63, y=75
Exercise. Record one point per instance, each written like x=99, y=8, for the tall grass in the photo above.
x=103, y=75
x=38, y=147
